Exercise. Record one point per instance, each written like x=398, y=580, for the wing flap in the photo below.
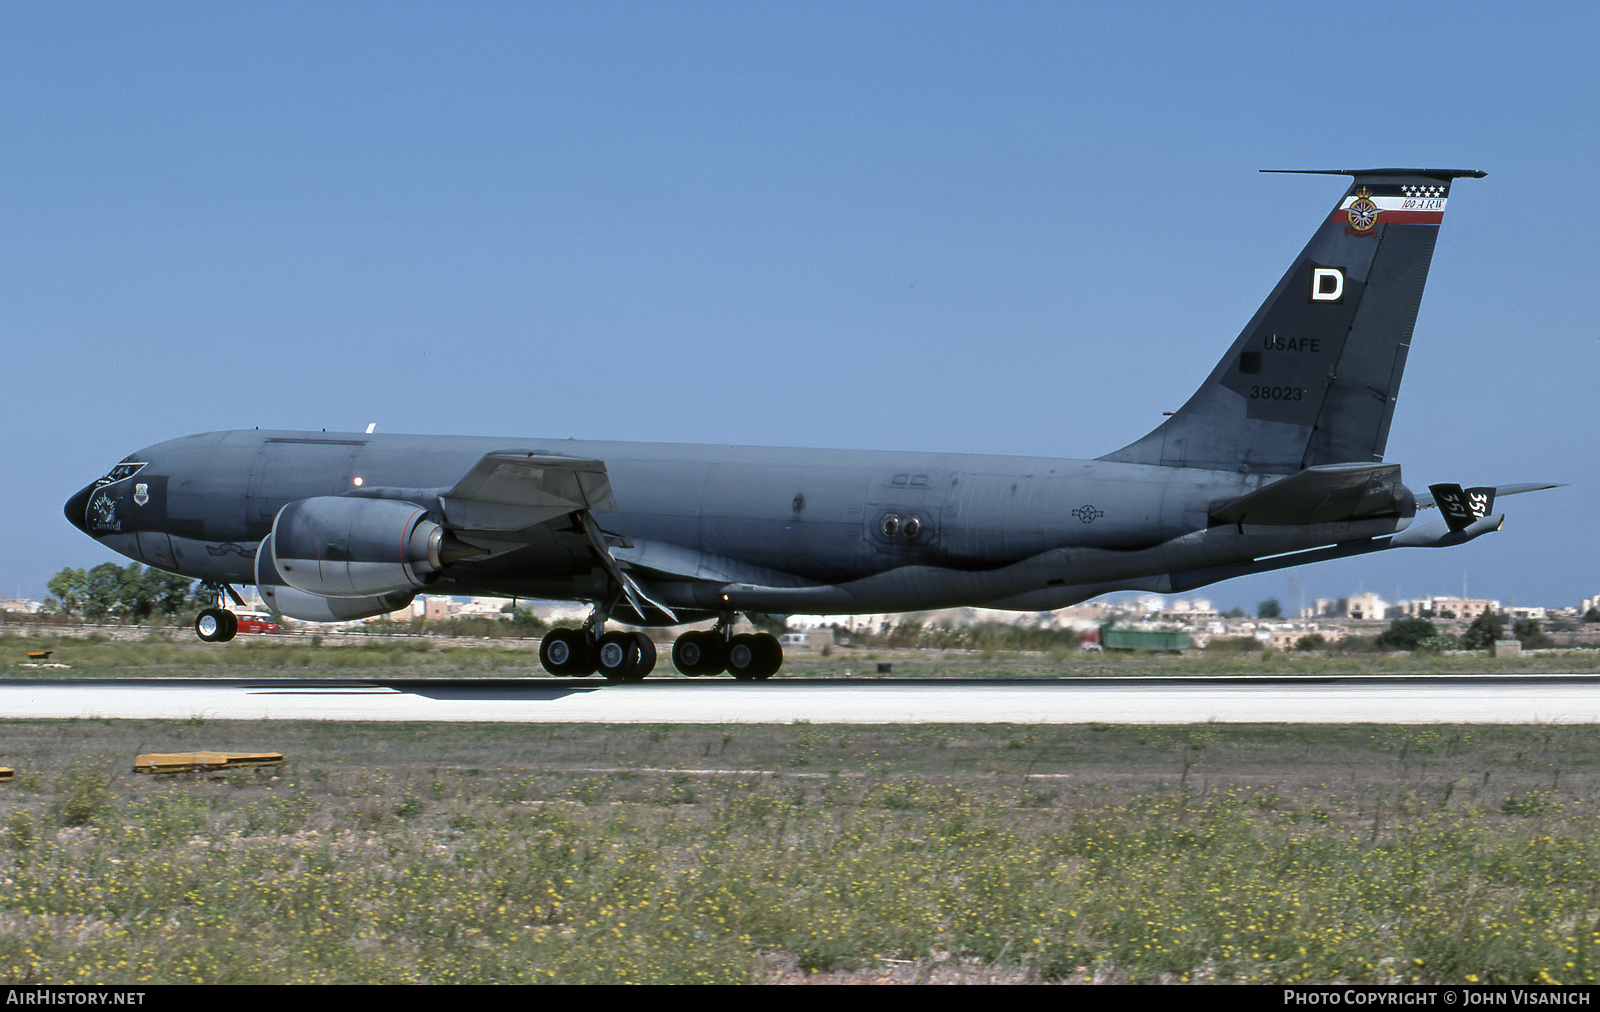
x=688, y=563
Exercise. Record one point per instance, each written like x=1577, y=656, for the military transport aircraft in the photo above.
x=1276, y=461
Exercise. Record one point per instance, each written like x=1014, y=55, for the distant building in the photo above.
x=1361, y=607
x=820, y=638
x=436, y=609
x=1197, y=610
x=1287, y=635
x=482, y=607
x=1448, y=607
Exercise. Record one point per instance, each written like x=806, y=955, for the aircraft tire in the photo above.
x=647, y=657
x=771, y=655
x=216, y=625
x=623, y=657
x=714, y=653
x=754, y=658
x=699, y=653
x=566, y=652
x=686, y=654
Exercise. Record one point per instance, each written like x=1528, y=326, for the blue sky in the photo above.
x=1003, y=228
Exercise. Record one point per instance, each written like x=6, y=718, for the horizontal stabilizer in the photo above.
x=1329, y=493
x=1430, y=173
x=1426, y=500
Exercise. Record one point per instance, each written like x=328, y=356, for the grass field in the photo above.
x=488, y=853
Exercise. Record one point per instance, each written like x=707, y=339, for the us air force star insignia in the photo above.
x=1088, y=514
x=141, y=494
x=1363, y=212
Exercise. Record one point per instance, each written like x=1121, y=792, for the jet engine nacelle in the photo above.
x=311, y=608
x=334, y=547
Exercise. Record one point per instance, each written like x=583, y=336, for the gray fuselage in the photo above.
x=714, y=528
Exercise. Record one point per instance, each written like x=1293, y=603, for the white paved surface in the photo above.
x=1484, y=700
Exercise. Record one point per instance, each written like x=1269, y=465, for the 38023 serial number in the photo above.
x=1277, y=393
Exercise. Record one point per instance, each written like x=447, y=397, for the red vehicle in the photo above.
x=257, y=622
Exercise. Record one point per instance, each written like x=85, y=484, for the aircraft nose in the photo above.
x=77, y=509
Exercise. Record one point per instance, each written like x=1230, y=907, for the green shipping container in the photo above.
x=1113, y=638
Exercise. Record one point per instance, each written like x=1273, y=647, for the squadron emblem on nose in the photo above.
x=104, y=511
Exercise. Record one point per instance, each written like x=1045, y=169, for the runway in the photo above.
x=1452, y=699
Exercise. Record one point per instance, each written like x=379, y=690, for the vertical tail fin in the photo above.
x=1314, y=376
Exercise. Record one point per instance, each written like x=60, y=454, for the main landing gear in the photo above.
x=217, y=624
x=749, y=657
x=619, y=656
x=629, y=657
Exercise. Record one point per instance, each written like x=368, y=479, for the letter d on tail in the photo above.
x=1327, y=284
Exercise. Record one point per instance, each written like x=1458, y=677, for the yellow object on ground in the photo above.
x=6, y=773
x=181, y=762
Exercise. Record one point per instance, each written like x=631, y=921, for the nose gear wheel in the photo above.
x=216, y=625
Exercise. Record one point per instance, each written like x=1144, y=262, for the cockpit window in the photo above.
x=124, y=470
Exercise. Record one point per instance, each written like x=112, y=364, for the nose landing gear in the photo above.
x=217, y=624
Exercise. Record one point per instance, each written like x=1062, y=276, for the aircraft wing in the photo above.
x=1327, y=493
x=511, y=491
